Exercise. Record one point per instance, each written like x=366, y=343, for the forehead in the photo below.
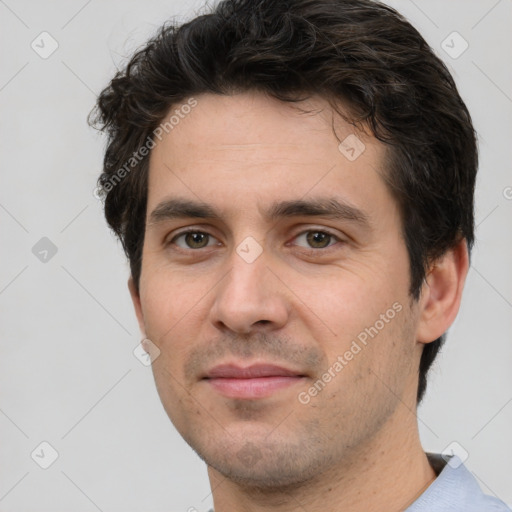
x=252, y=123
x=236, y=150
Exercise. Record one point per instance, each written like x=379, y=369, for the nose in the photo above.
x=250, y=297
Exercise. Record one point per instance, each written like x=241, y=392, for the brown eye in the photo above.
x=318, y=239
x=196, y=240
x=192, y=240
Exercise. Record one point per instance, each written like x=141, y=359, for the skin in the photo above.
x=355, y=445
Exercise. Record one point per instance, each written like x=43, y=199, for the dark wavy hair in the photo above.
x=359, y=54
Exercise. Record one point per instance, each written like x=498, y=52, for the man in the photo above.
x=293, y=185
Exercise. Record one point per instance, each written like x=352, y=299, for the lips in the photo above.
x=231, y=371
x=255, y=381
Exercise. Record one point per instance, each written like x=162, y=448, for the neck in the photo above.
x=389, y=473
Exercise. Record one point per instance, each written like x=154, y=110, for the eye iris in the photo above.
x=317, y=237
x=194, y=240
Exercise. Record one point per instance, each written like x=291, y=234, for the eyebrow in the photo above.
x=329, y=207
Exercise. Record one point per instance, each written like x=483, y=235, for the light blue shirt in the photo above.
x=454, y=490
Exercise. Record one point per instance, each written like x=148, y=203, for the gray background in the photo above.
x=67, y=372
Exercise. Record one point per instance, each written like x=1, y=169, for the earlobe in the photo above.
x=442, y=293
x=137, y=305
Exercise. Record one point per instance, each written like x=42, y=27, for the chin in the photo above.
x=263, y=465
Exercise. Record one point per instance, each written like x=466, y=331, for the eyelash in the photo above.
x=306, y=249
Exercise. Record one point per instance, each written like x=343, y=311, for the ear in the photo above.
x=136, y=304
x=442, y=292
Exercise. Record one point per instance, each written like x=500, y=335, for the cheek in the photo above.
x=157, y=307
x=367, y=329
x=179, y=405
x=347, y=300
x=174, y=309
x=166, y=299
x=376, y=365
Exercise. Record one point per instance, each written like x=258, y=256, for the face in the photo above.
x=275, y=285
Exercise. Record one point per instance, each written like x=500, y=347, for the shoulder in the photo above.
x=455, y=489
